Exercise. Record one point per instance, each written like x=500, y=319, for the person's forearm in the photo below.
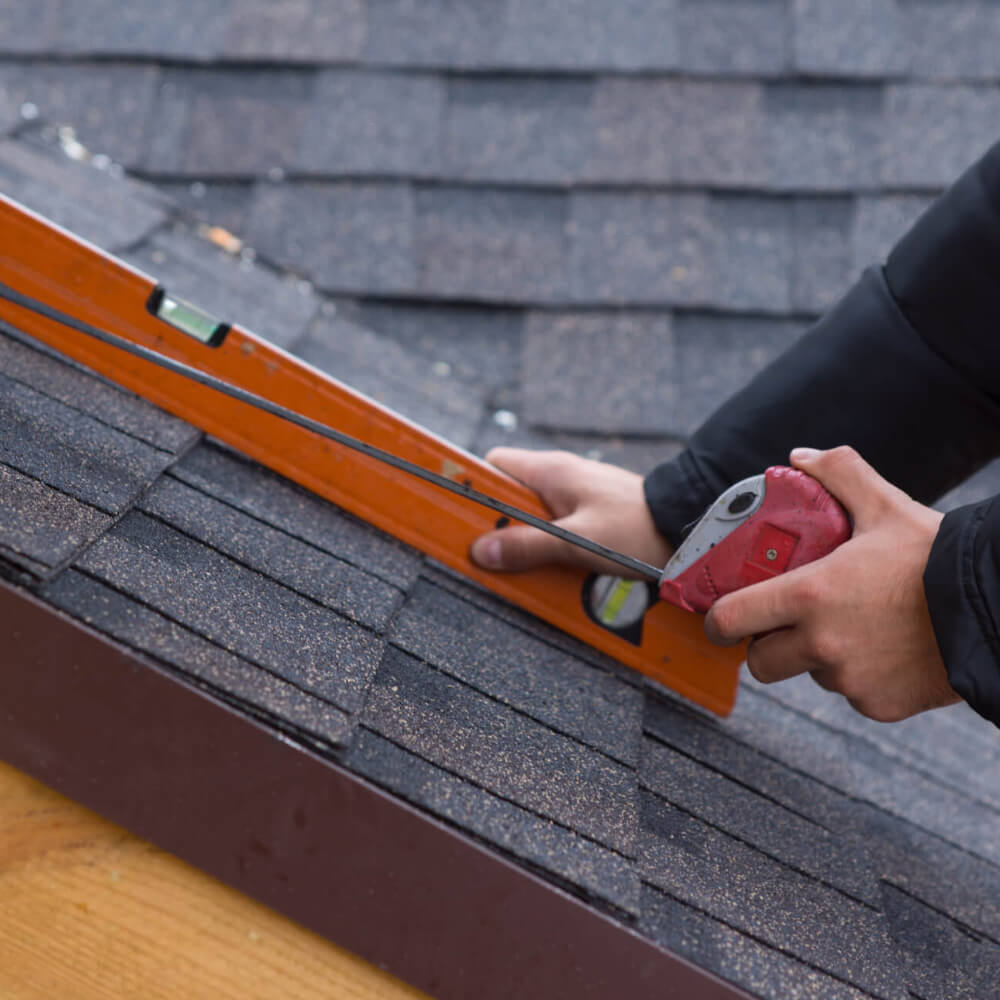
x=886, y=370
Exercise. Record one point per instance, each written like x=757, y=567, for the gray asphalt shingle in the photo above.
x=347, y=236
x=480, y=345
x=393, y=375
x=88, y=201
x=37, y=367
x=950, y=126
x=516, y=758
x=599, y=371
x=373, y=123
x=852, y=38
x=236, y=608
x=747, y=890
x=72, y=451
x=227, y=124
x=599, y=872
x=713, y=944
x=734, y=36
x=41, y=527
x=521, y=671
x=298, y=513
x=506, y=245
x=236, y=680
x=293, y=30
x=277, y=555
x=109, y=105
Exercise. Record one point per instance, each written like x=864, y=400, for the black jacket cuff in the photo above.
x=962, y=585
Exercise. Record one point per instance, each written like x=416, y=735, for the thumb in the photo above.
x=864, y=493
x=517, y=548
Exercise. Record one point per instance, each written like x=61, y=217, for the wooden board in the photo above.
x=91, y=912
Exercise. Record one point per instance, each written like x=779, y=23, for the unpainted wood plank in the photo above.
x=91, y=912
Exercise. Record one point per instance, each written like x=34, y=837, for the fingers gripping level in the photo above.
x=760, y=527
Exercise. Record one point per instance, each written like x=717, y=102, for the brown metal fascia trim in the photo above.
x=125, y=738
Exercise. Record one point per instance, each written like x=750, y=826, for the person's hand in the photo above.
x=856, y=620
x=599, y=501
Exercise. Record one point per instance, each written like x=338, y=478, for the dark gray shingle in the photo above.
x=734, y=36
x=36, y=366
x=394, y=376
x=238, y=681
x=368, y=123
x=276, y=554
x=502, y=751
x=480, y=345
x=717, y=355
x=495, y=244
x=627, y=35
x=955, y=39
x=451, y=33
x=598, y=872
x=238, y=609
x=72, y=451
x=821, y=265
x=109, y=105
x=713, y=944
x=275, y=501
x=599, y=371
x=824, y=137
x=934, y=133
x=348, y=237
x=696, y=863
x=212, y=123
x=40, y=527
x=648, y=248
x=91, y=203
x=517, y=129
x=521, y=671
x=879, y=222
x=943, y=959
x=781, y=833
x=292, y=30
x=849, y=38
x=140, y=28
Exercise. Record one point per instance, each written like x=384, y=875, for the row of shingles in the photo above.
x=743, y=135
x=779, y=136
x=749, y=253
x=494, y=722
x=783, y=136
x=783, y=819
x=759, y=37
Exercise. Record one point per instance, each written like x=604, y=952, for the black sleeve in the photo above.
x=906, y=369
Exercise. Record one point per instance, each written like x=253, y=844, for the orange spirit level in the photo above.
x=623, y=618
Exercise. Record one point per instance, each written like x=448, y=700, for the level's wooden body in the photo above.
x=46, y=263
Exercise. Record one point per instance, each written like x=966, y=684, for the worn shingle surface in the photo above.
x=576, y=225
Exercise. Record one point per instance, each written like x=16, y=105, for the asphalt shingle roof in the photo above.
x=580, y=224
